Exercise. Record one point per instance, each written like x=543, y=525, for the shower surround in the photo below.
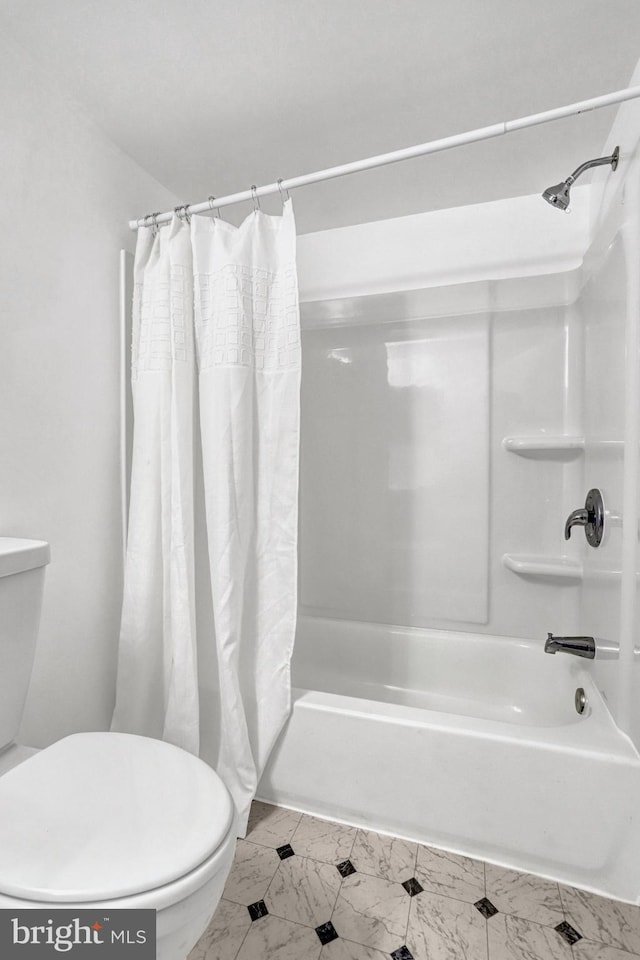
x=451, y=421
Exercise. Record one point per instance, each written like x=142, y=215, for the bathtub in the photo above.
x=470, y=743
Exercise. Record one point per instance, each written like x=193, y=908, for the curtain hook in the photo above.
x=153, y=217
x=182, y=213
x=256, y=202
x=211, y=199
x=280, y=182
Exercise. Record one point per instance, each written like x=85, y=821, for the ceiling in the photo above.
x=211, y=96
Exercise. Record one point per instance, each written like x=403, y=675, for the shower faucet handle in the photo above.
x=591, y=517
x=578, y=518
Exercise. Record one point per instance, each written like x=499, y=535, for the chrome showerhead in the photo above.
x=558, y=195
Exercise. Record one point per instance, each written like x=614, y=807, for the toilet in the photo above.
x=101, y=820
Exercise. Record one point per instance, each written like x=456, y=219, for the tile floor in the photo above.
x=307, y=889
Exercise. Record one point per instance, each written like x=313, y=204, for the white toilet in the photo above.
x=101, y=820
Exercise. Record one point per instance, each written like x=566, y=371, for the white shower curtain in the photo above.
x=247, y=334
x=157, y=689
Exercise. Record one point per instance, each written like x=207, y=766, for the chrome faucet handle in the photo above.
x=591, y=517
x=578, y=518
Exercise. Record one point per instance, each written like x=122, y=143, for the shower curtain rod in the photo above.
x=421, y=150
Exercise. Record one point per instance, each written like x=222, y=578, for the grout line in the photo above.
x=342, y=880
x=564, y=909
x=486, y=921
x=566, y=918
x=271, y=881
x=335, y=902
x=240, y=946
x=406, y=929
x=411, y=899
x=355, y=835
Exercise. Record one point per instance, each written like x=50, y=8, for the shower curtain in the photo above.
x=227, y=298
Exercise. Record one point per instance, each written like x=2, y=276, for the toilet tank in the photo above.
x=22, y=567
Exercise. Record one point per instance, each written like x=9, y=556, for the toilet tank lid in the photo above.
x=18, y=555
x=98, y=816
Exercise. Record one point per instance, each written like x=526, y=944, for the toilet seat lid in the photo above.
x=97, y=816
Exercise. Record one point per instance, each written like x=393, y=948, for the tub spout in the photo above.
x=578, y=646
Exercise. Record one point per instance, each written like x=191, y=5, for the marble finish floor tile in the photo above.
x=304, y=890
x=374, y=916
x=450, y=874
x=441, y=928
x=223, y=937
x=605, y=921
x=384, y=856
x=252, y=871
x=272, y=938
x=590, y=950
x=512, y=938
x=323, y=840
x=372, y=911
x=342, y=949
x=271, y=826
x=524, y=895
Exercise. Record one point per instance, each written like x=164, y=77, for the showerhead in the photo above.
x=558, y=195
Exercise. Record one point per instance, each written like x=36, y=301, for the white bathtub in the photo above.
x=467, y=742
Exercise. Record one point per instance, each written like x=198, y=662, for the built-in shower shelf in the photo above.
x=545, y=447
x=541, y=567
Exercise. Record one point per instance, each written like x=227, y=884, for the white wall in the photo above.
x=66, y=193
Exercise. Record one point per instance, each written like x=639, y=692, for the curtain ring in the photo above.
x=211, y=198
x=256, y=202
x=182, y=212
x=154, y=218
x=280, y=182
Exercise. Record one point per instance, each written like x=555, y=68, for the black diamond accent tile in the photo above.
x=346, y=868
x=285, y=851
x=257, y=909
x=486, y=908
x=567, y=932
x=326, y=932
x=402, y=953
x=412, y=886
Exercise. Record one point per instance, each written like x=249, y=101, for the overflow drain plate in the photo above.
x=580, y=700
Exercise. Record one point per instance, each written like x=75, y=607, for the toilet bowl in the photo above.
x=115, y=821
x=101, y=821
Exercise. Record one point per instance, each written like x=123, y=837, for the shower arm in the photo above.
x=599, y=162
